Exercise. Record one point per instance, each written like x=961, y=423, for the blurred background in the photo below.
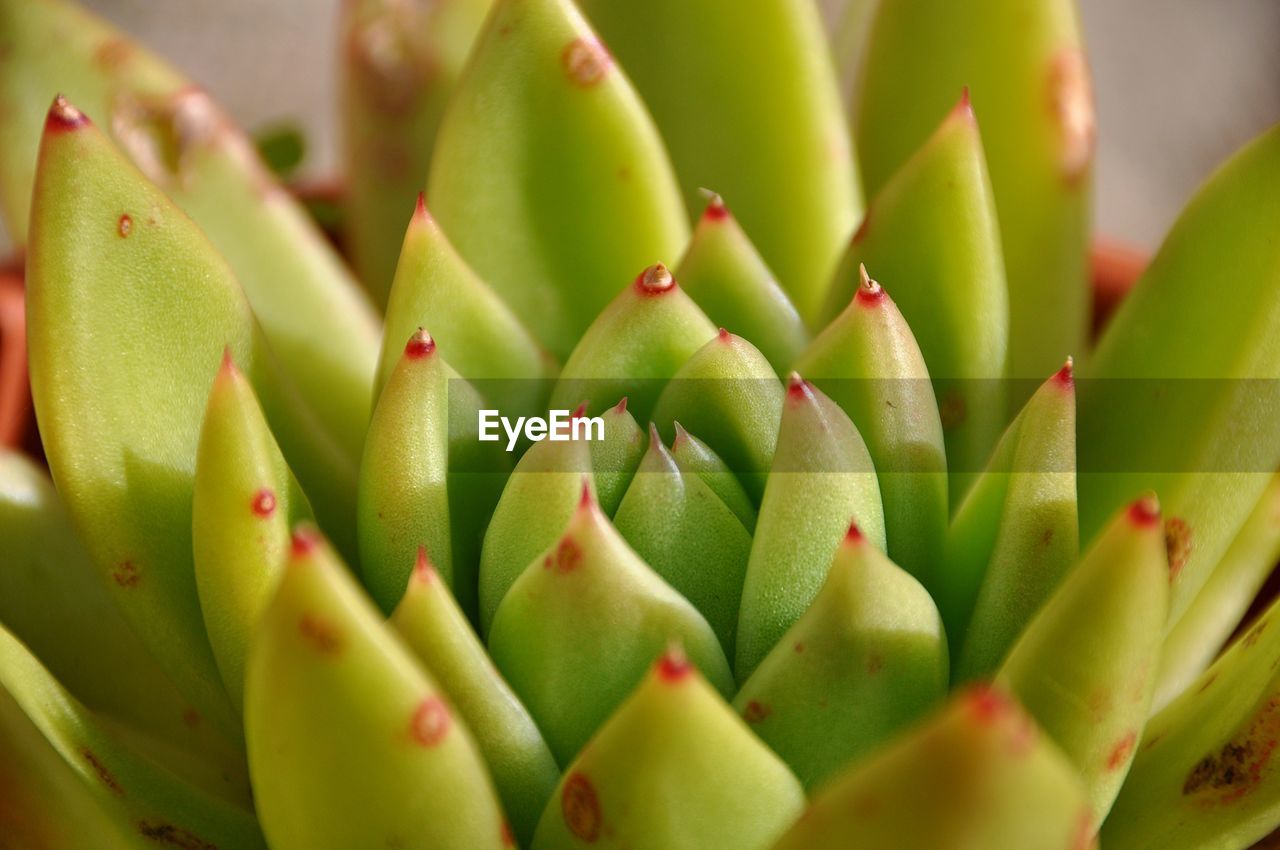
x=1179, y=83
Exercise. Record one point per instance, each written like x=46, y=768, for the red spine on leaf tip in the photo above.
x=964, y=107
x=228, y=361
x=64, y=117
x=655, y=439
x=655, y=280
x=723, y=335
x=1065, y=377
x=854, y=534
x=423, y=568
x=579, y=411
x=420, y=208
x=716, y=210
x=673, y=666
x=870, y=293
x=681, y=434
x=621, y=407
x=797, y=387
x=587, y=499
x=419, y=345
x=1145, y=512
x=264, y=503
x=304, y=542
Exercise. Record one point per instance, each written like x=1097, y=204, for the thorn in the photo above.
x=724, y=335
x=579, y=411
x=655, y=439
x=655, y=280
x=798, y=388
x=587, y=500
x=964, y=107
x=420, y=208
x=1145, y=511
x=621, y=407
x=420, y=345
x=228, y=366
x=674, y=665
x=716, y=210
x=1065, y=377
x=423, y=569
x=854, y=534
x=870, y=293
x=682, y=435
x=305, y=541
x=64, y=117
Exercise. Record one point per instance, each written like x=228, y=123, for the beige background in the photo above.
x=1180, y=83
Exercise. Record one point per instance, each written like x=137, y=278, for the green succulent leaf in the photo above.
x=1205, y=776
x=932, y=233
x=435, y=288
x=728, y=393
x=981, y=769
x=1098, y=638
x=438, y=634
x=681, y=528
x=139, y=801
x=749, y=105
x=720, y=787
x=822, y=479
x=244, y=501
x=548, y=173
x=722, y=271
x=634, y=346
x=1192, y=644
x=692, y=456
x=122, y=453
x=1196, y=423
x=426, y=479
x=329, y=686
x=1015, y=535
x=867, y=361
x=616, y=456
x=53, y=600
x=318, y=322
x=1025, y=68
x=867, y=659
x=399, y=63
x=582, y=623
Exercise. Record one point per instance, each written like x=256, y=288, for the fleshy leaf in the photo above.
x=982, y=771
x=1098, y=639
x=538, y=501
x=1195, y=640
x=694, y=456
x=1015, y=534
x=320, y=325
x=822, y=479
x=720, y=787
x=1205, y=775
x=243, y=504
x=682, y=529
x=868, y=362
x=123, y=454
x=634, y=346
x=400, y=62
x=438, y=633
x=1195, y=423
x=728, y=394
x=579, y=628
x=435, y=288
x=1025, y=67
x=351, y=743
x=722, y=271
x=138, y=798
x=866, y=659
x=53, y=600
x=615, y=458
x=426, y=479
x=932, y=233
x=748, y=105
x=548, y=173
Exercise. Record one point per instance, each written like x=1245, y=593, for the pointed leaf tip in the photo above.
x=964, y=107
x=621, y=407
x=987, y=704
x=655, y=280
x=674, y=666
x=63, y=116
x=723, y=335
x=228, y=365
x=715, y=209
x=1145, y=511
x=423, y=570
x=579, y=411
x=587, y=500
x=419, y=345
x=655, y=439
x=870, y=292
x=420, y=208
x=854, y=535
x=798, y=389
x=305, y=541
x=681, y=434
x=1065, y=377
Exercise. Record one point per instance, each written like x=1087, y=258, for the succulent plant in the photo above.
x=760, y=517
